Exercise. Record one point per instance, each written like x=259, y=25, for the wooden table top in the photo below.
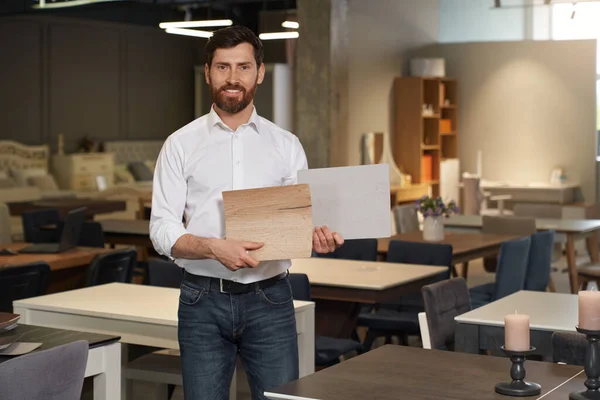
x=462, y=243
x=136, y=227
x=367, y=275
x=75, y=257
x=542, y=224
x=93, y=206
x=50, y=337
x=547, y=311
x=392, y=372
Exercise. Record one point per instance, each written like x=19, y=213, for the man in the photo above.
x=229, y=303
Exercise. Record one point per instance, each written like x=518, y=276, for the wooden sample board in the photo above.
x=280, y=217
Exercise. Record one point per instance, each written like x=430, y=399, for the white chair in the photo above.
x=475, y=200
x=424, y=328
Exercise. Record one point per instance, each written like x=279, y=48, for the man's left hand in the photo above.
x=325, y=241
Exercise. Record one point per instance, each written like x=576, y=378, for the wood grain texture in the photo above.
x=280, y=217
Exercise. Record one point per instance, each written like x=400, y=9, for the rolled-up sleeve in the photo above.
x=169, y=189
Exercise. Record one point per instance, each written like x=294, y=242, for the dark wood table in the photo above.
x=63, y=206
x=132, y=232
x=68, y=269
x=401, y=372
x=465, y=246
x=573, y=229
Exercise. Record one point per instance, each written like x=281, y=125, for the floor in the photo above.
x=477, y=275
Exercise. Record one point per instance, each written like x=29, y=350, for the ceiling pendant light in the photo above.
x=278, y=35
x=290, y=24
x=196, y=24
x=189, y=32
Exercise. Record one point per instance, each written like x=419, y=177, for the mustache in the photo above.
x=233, y=87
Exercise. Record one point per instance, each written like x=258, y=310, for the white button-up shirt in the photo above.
x=200, y=161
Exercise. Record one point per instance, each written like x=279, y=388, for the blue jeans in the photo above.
x=215, y=327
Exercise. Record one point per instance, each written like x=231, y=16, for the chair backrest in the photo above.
x=512, y=267
x=537, y=210
x=355, y=249
x=300, y=286
x=91, y=235
x=424, y=328
x=444, y=301
x=422, y=254
x=164, y=273
x=34, y=220
x=406, y=219
x=22, y=282
x=56, y=373
x=569, y=347
x=540, y=261
x=116, y=266
x=508, y=225
x=5, y=233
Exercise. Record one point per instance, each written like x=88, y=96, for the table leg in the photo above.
x=572, y=263
x=465, y=270
x=107, y=385
x=592, y=247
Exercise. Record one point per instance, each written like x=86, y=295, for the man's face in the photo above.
x=233, y=77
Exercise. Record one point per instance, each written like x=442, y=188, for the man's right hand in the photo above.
x=233, y=254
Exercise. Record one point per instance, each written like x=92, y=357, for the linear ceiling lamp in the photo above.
x=189, y=32
x=74, y=3
x=290, y=24
x=278, y=35
x=196, y=24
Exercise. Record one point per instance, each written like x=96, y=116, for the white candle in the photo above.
x=516, y=332
x=589, y=310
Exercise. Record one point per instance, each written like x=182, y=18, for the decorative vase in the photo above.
x=433, y=229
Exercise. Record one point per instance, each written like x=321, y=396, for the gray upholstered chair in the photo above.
x=569, y=347
x=406, y=219
x=443, y=301
x=505, y=226
x=53, y=374
x=5, y=234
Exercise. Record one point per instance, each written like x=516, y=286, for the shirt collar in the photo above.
x=214, y=119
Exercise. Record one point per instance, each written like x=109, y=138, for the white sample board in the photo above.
x=353, y=201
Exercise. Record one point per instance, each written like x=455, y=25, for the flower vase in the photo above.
x=433, y=228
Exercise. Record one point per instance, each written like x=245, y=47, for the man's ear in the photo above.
x=207, y=74
x=261, y=73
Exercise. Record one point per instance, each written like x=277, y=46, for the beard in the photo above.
x=232, y=105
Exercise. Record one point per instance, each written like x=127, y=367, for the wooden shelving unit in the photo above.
x=420, y=141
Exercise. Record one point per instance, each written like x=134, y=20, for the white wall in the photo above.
x=478, y=21
x=528, y=106
x=381, y=31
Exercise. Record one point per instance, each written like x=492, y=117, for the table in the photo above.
x=131, y=232
x=63, y=206
x=394, y=372
x=483, y=328
x=465, y=246
x=104, y=357
x=67, y=269
x=140, y=315
x=541, y=193
x=339, y=287
x=573, y=229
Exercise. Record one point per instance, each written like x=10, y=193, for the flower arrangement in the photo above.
x=435, y=207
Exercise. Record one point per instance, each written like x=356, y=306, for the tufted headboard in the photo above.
x=21, y=156
x=127, y=151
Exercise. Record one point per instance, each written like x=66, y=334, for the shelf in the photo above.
x=433, y=116
x=432, y=182
x=450, y=107
x=448, y=133
x=430, y=146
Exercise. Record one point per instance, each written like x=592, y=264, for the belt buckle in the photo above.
x=221, y=286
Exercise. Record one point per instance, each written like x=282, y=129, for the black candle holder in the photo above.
x=518, y=387
x=591, y=367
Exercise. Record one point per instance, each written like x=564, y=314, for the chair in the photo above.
x=505, y=226
x=510, y=273
x=5, y=234
x=35, y=226
x=553, y=211
x=444, y=301
x=569, y=348
x=56, y=373
x=22, y=282
x=475, y=199
x=164, y=273
x=328, y=350
x=355, y=249
x=539, y=262
x=91, y=235
x=401, y=319
x=116, y=266
x=406, y=219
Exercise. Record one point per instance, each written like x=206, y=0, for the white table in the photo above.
x=141, y=315
x=483, y=328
